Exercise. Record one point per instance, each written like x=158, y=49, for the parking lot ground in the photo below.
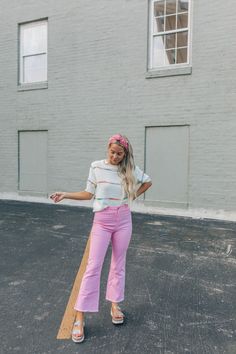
x=180, y=283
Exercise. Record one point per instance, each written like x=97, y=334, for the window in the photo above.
x=33, y=52
x=169, y=33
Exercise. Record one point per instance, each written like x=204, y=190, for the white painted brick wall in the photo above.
x=97, y=87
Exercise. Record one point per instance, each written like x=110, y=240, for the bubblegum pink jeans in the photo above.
x=111, y=224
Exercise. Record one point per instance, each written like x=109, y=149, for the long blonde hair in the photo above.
x=126, y=168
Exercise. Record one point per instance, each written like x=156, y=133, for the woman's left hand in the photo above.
x=57, y=197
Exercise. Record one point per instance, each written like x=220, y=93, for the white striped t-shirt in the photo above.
x=105, y=184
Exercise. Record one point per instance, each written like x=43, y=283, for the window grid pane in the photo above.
x=34, y=39
x=182, y=5
x=182, y=20
x=182, y=39
x=159, y=8
x=171, y=7
x=170, y=23
x=158, y=24
x=182, y=54
x=35, y=68
x=170, y=41
x=158, y=51
x=170, y=57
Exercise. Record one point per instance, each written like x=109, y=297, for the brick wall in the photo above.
x=97, y=58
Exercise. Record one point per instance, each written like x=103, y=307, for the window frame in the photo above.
x=22, y=86
x=172, y=69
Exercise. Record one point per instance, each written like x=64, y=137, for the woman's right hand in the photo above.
x=57, y=196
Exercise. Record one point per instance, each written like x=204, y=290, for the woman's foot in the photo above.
x=78, y=330
x=117, y=315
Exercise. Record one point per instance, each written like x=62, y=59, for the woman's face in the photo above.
x=116, y=153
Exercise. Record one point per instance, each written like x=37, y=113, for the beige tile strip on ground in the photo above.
x=69, y=315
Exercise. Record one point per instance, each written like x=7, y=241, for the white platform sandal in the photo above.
x=75, y=338
x=119, y=317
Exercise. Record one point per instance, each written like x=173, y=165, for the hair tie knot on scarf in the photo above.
x=120, y=139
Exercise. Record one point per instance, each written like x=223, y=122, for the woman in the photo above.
x=113, y=183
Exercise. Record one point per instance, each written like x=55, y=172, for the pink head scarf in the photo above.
x=120, y=139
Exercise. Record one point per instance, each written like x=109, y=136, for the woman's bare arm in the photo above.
x=143, y=188
x=59, y=196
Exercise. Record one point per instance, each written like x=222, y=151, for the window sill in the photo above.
x=33, y=86
x=163, y=72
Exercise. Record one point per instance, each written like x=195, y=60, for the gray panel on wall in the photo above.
x=167, y=156
x=33, y=161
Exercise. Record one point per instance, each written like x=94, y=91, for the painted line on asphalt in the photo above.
x=70, y=313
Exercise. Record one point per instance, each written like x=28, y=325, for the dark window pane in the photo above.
x=182, y=55
x=170, y=41
x=170, y=23
x=158, y=24
x=182, y=21
x=159, y=8
x=170, y=7
x=170, y=56
x=182, y=39
x=182, y=5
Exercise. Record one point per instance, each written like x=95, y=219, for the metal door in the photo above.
x=167, y=162
x=33, y=161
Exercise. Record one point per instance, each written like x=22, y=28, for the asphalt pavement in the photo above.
x=180, y=283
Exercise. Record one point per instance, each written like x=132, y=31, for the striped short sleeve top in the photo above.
x=105, y=184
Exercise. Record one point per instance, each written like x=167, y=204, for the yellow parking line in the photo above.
x=69, y=315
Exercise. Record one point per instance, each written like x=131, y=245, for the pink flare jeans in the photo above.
x=110, y=224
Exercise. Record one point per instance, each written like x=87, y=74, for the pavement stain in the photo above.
x=158, y=223
x=17, y=282
x=58, y=227
x=42, y=316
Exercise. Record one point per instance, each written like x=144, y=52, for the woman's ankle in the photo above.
x=114, y=304
x=79, y=315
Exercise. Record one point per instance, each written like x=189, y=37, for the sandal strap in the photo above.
x=119, y=313
x=77, y=331
x=116, y=307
